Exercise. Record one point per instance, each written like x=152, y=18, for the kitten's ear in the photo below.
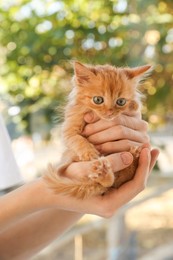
x=138, y=71
x=83, y=74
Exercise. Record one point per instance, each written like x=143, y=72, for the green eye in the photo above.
x=121, y=102
x=98, y=100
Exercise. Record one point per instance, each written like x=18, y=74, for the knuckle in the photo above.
x=111, y=146
x=122, y=131
x=100, y=148
x=144, y=125
x=146, y=138
x=128, y=144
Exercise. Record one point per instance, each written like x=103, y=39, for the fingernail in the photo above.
x=127, y=158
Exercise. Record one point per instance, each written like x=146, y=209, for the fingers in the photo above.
x=139, y=181
x=91, y=117
x=116, y=135
x=117, y=146
x=118, y=132
x=97, y=126
x=143, y=169
x=135, y=123
x=136, y=114
x=120, y=121
x=154, y=156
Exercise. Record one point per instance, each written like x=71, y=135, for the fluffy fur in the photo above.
x=108, y=91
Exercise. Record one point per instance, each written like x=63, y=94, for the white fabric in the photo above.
x=9, y=171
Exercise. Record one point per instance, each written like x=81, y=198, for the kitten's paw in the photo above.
x=101, y=172
x=135, y=151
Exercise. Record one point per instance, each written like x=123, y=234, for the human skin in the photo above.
x=116, y=135
x=33, y=215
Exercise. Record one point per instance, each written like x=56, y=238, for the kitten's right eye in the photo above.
x=98, y=100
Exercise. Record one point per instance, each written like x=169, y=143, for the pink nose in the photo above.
x=110, y=112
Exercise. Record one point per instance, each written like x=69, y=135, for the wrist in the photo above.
x=44, y=196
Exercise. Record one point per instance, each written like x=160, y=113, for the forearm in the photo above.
x=28, y=236
x=29, y=220
x=21, y=202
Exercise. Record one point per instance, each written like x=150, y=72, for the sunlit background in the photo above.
x=38, y=40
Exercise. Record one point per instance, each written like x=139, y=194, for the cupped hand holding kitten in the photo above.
x=98, y=129
x=106, y=205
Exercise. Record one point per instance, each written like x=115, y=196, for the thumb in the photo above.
x=119, y=161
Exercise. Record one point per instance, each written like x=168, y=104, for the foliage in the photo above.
x=39, y=38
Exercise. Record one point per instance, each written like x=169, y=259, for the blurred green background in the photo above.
x=38, y=39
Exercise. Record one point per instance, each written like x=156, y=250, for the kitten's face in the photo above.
x=107, y=99
x=106, y=90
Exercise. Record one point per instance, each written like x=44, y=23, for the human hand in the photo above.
x=117, y=135
x=117, y=198
x=112, y=138
x=106, y=205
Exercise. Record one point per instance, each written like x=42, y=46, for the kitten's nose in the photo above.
x=110, y=112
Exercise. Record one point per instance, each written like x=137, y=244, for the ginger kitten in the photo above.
x=107, y=91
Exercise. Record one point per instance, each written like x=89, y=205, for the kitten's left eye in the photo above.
x=98, y=100
x=121, y=102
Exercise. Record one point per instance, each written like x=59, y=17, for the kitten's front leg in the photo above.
x=82, y=148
